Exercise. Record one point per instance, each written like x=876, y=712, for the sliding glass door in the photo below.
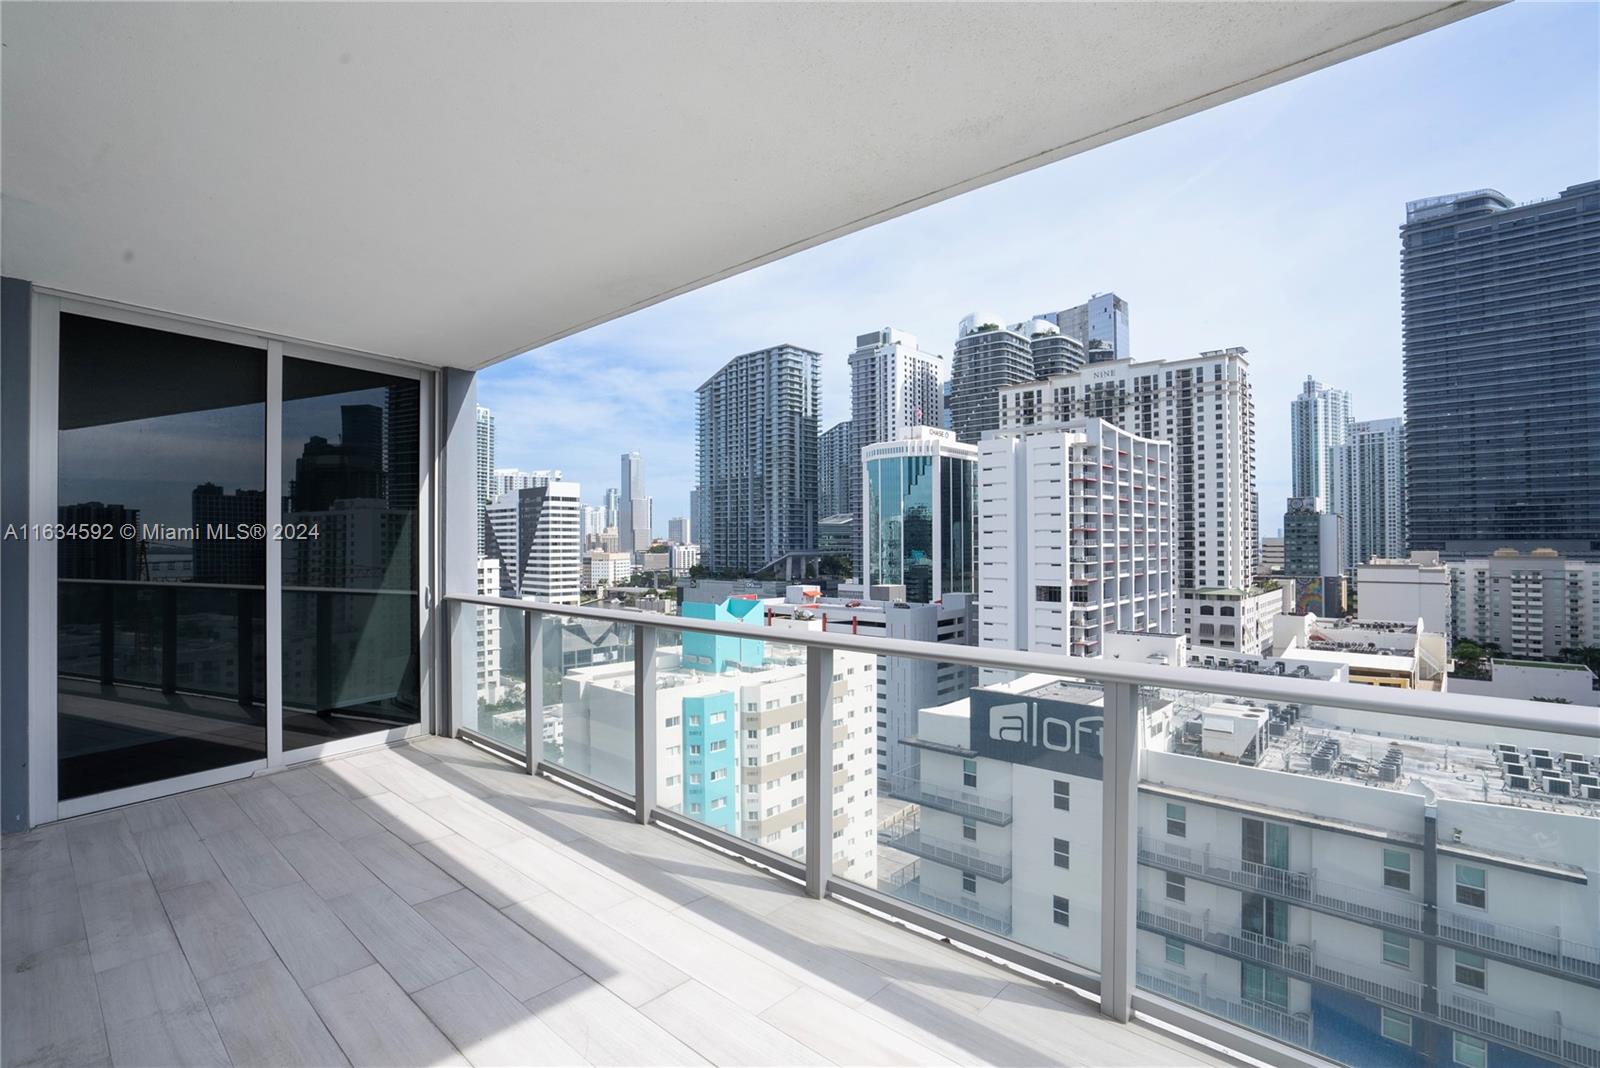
x=236, y=536
x=350, y=462
x=161, y=597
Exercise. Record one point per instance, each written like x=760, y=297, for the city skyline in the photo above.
x=1345, y=139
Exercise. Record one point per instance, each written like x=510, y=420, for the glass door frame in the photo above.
x=44, y=803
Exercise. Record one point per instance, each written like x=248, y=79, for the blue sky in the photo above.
x=1269, y=223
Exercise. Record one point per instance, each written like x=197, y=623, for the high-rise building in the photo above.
x=593, y=525
x=1368, y=474
x=1075, y=536
x=1532, y=605
x=919, y=514
x=485, y=468
x=894, y=385
x=1319, y=420
x=756, y=434
x=1313, y=555
x=1406, y=590
x=836, y=467
x=487, y=630
x=1271, y=556
x=613, y=507
x=510, y=479
x=1100, y=325
x=533, y=532
x=987, y=358
x=679, y=530
x=1502, y=368
x=1202, y=406
x=633, y=507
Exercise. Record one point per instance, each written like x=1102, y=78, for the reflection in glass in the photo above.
x=350, y=607
x=161, y=653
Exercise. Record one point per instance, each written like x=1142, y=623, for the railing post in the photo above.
x=644, y=722
x=1119, y=749
x=819, y=770
x=532, y=687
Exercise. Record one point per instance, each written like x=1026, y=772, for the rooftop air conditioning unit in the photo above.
x=1519, y=782
x=1558, y=787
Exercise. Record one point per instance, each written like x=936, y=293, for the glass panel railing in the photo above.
x=730, y=733
x=1369, y=886
x=496, y=685
x=586, y=689
x=988, y=798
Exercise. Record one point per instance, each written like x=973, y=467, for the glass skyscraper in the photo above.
x=921, y=514
x=1502, y=368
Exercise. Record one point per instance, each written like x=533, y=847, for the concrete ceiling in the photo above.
x=453, y=184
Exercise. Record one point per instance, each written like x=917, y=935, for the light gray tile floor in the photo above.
x=428, y=904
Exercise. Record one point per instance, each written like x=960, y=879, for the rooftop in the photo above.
x=429, y=903
x=1297, y=742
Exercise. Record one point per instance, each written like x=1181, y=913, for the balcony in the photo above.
x=1546, y=949
x=907, y=837
x=1303, y=961
x=911, y=787
x=1293, y=1028
x=430, y=902
x=1302, y=888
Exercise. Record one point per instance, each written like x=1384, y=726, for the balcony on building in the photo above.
x=266, y=803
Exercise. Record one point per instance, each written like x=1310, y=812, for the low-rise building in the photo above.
x=1531, y=680
x=904, y=685
x=1348, y=882
x=606, y=569
x=730, y=735
x=1374, y=652
x=1235, y=620
x=1414, y=588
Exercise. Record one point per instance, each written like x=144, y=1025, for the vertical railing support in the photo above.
x=1119, y=748
x=532, y=687
x=819, y=770
x=644, y=722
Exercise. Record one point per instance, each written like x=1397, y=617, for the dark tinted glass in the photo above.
x=350, y=478
x=161, y=647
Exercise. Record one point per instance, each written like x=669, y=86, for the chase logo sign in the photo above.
x=1040, y=732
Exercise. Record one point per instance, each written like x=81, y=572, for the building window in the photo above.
x=1471, y=887
x=969, y=829
x=1060, y=910
x=694, y=750
x=1397, y=869
x=1468, y=1051
x=718, y=747
x=1047, y=594
x=1396, y=1027
x=1063, y=795
x=1063, y=852
x=694, y=721
x=719, y=775
x=719, y=717
x=1177, y=820
x=969, y=772
x=1175, y=952
x=718, y=802
x=1470, y=970
x=1263, y=986
x=969, y=883
x=1177, y=887
x=673, y=721
x=1396, y=949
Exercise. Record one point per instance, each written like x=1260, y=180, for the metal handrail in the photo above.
x=1451, y=708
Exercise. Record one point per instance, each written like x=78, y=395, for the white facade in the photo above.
x=682, y=559
x=1532, y=605
x=601, y=568
x=769, y=773
x=1203, y=407
x=1237, y=621
x=1075, y=536
x=894, y=385
x=1319, y=420
x=534, y=532
x=485, y=467
x=1415, y=588
x=1271, y=556
x=1368, y=476
x=488, y=631
x=1525, y=680
x=510, y=479
x=904, y=686
x=1312, y=889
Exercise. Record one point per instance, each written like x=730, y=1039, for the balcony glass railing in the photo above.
x=1335, y=868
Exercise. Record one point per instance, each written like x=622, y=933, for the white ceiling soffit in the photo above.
x=453, y=184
